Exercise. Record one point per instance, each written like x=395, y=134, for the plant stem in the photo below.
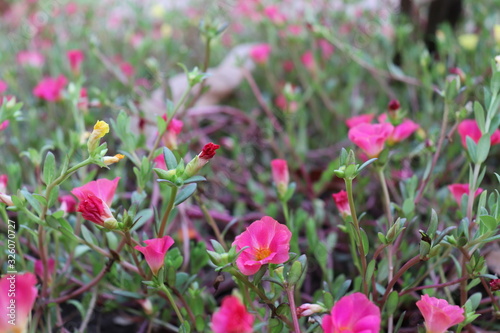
x=172, y=302
x=293, y=308
x=173, y=194
x=211, y=222
x=412, y=262
x=442, y=136
x=348, y=184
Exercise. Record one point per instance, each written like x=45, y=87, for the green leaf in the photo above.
x=32, y=201
x=479, y=114
x=392, y=302
x=170, y=159
x=195, y=179
x=370, y=270
x=433, y=224
x=87, y=235
x=483, y=148
x=471, y=148
x=185, y=193
x=49, y=168
x=364, y=241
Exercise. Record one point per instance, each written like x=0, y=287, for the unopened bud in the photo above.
x=108, y=160
x=308, y=309
x=101, y=128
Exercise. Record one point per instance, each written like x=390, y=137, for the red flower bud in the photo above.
x=208, y=151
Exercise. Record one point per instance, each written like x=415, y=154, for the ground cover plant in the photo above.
x=248, y=166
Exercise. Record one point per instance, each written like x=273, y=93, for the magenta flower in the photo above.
x=232, y=317
x=307, y=60
x=327, y=48
x=16, y=307
x=30, y=58
x=371, y=138
x=68, y=203
x=51, y=265
x=281, y=177
x=4, y=124
x=160, y=162
x=469, y=128
x=403, y=131
x=173, y=130
x=75, y=58
x=458, y=190
x=342, y=202
x=95, y=198
x=362, y=119
x=50, y=88
x=268, y=241
x=3, y=86
x=4, y=197
x=127, y=69
x=354, y=313
x=155, y=251
x=438, y=314
x=274, y=15
x=260, y=53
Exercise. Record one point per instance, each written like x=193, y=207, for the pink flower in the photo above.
x=160, y=162
x=232, y=317
x=50, y=88
x=260, y=53
x=354, y=313
x=268, y=241
x=393, y=105
x=281, y=177
x=83, y=102
x=17, y=306
x=4, y=198
x=307, y=60
x=403, y=131
x=4, y=124
x=469, y=127
x=127, y=69
x=326, y=47
x=174, y=128
x=288, y=65
x=361, y=119
x=371, y=138
x=51, y=264
x=155, y=252
x=342, y=202
x=458, y=190
x=95, y=198
x=68, y=203
x=30, y=58
x=3, y=87
x=495, y=284
x=75, y=58
x=438, y=314
x=274, y=15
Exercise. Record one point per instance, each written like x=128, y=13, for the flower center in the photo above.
x=262, y=253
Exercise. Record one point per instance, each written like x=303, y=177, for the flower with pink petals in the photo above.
x=371, y=138
x=469, y=128
x=174, y=128
x=50, y=89
x=95, y=198
x=274, y=15
x=159, y=162
x=75, y=58
x=260, y=53
x=51, y=265
x=361, y=119
x=30, y=58
x=281, y=176
x=307, y=60
x=458, y=190
x=155, y=251
x=342, y=202
x=68, y=204
x=232, y=317
x=4, y=124
x=308, y=309
x=268, y=242
x=19, y=303
x=127, y=69
x=438, y=314
x=327, y=48
x=354, y=313
x=4, y=198
x=403, y=131
x=3, y=87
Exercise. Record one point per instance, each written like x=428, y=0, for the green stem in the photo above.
x=172, y=302
x=158, y=138
x=164, y=220
x=359, y=242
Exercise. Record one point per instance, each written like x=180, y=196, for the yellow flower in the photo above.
x=468, y=41
x=158, y=11
x=112, y=159
x=166, y=30
x=496, y=33
x=101, y=128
